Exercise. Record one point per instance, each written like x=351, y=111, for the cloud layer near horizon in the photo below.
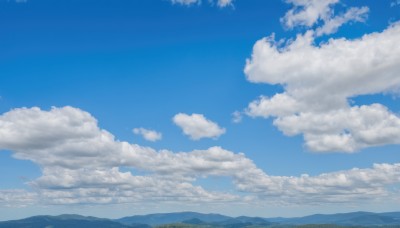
x=82, y=164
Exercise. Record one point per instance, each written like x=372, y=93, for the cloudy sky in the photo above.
x=247, y=107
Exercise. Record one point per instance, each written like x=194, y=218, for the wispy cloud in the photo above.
x=354, y=14
x=308, y=13
x=17, y=197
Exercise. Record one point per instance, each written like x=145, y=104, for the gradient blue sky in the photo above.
x=138, y=63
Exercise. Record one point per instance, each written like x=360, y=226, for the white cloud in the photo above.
x=147, y=134
x=81, y=165
x=336, y=187
x=345, y=129
x=17, y=197
x=220, y=3
x=197, y=126
x=320, y=80
x=105, y=186
x=309, y=13
x=80, y=162
x=224, y=3
x=354, y=14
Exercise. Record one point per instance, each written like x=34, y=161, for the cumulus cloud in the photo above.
x=147, y=134
x=81, y=164
x=309, y=13
x=320, y=79
x=196, y=126
x=219, y=3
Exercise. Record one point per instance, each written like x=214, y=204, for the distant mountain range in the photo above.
x=199, y=220
x=64, y=221
x=158, y=219
x=346, y=219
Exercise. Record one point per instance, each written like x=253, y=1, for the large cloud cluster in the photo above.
x=319, y=82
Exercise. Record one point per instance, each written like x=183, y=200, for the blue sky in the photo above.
x=319, y=97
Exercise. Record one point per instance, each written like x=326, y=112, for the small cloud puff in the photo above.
x=196, y=126
x=237, y=117
x=220, y=3
x=147, y=134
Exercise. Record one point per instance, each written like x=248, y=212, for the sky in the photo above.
x=113, y=108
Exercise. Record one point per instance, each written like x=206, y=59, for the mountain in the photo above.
x=62, y=221
x=253, y=220
x=166, y=218
x=347, y=219
x=194, y=221
x=395, y=215
x=242, y=221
